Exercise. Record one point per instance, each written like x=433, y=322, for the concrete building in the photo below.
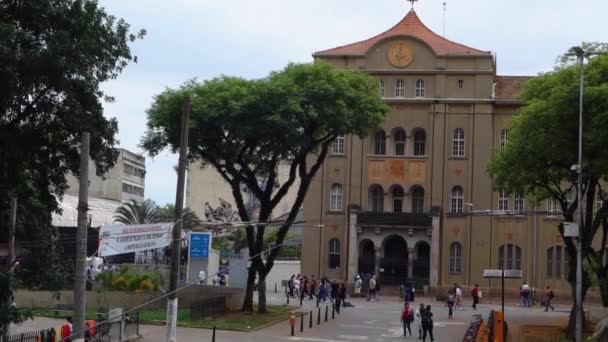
x=124, y=182
x=395, y=203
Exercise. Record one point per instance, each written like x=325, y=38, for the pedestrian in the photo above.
x=223, y=281
x=407, y=316
x=413, y=292
x=372, y=288
x=475, y=295
x=201, y=276
x=548, y=297
x=427, y=323
x=305, y=287
x=525, y=295
x=358, y=285
x=459, y=304
x=322, y=290
x=451, y=298
x=342, y=296
x=419, y=319
x=408, y=292
x=329, y=289
x=296, y=287
x=313, y=287
x=290, y=284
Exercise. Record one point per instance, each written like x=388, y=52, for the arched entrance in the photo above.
x=367, y=257
x=394, y=263
x=422, y=265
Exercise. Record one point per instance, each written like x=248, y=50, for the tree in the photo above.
x=167, y=213
x=8, y=311
x=132, y=212
x=543, y=147
x=245, y=129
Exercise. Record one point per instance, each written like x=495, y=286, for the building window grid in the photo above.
x=420, y=88
x=504, y=139
x=132, y=189
x=334, y=253
x=419, y=143
x=455, y=258
x=400, y=142
x=457, y=200
x=380, y=143
x=503, y=201
x=458, y=143
x=509, y=257
x=519, y=203
x=337, y=147
x=417, y=200
x=400, y=88
x=377, y=199
x=134, y=171
x=398, y=194
x=336, y=198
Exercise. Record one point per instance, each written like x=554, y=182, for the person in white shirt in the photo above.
x=525, y=294
x=459, y=298
x=296, y=287
x=201, y=277
x=358, y=285
x=418, y=318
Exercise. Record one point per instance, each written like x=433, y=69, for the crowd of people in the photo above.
x=302, y=287
x=423, y=317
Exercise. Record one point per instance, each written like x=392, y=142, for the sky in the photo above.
x=203, y=39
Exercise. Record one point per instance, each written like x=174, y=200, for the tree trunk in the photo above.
x=248, y=301
x=262, y=294
x=603, y=280
x=570, y=332
x=572, y=323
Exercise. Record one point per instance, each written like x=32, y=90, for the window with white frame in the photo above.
x=399, y=142
x=336, y=198
x=457, y=200
x=519, y=203
x=552, y=208
x=504, y=139
x=455, y=258
x=419, y=142
x=420, y=88
x=458, y=143
x=400, y=88
x=397, y=199
x=337, y=147
x=509, y=257
x=382, y=88
x=503, y=200
x=380, y=143
x=334, y=253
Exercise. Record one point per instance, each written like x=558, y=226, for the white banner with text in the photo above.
x=123, y=239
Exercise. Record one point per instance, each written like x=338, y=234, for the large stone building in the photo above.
x=398, y=203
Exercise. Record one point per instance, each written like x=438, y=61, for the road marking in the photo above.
x=361, y=326
x=370, y=322
x=313, y=339
x=445, y=324
x=394, y=332
x=351, y=337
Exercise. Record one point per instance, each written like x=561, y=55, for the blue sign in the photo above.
x=199, y=245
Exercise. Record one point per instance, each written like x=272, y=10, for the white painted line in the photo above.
x=361, y=326
x=445, y=324
x=312, y=339
x=352, y=337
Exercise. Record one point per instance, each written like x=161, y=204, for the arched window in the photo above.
x=337, y=147
x=557, y=262
x=504, y=138
x=509, y=257
x=419, y=142
x=400, y=88
x=417, y=199
x=382, y=88
x=503, y=200
x=397, y=198
x=520, y=204
x=335, y=201
x=455, y=257
x=458, y=143
x=399, y=142
x=420, y=88
x=457, y=200
x=334, y=253
x=380, y=143
x=377, y=198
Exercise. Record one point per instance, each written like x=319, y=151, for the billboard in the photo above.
x=121, y=239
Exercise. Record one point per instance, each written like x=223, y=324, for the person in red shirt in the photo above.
x=475, y=294
x=407, y=316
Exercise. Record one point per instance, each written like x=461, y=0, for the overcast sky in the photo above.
x=207, y=38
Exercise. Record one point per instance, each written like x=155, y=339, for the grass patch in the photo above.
x=233, y=320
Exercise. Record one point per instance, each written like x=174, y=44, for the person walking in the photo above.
x=451, y=298
x=427, y=323
x=201, y=276
x=341, y=296
x=372, y=289
x=407, y=316
x=305, y=287
x=459, y=304
x=548, y=297
x=358, y=285
x=290, y=284
x=322, y=290
x=413, y=292
x=525, y=295
x=475, y=295
x=313, y=287
x=418, y=317
x=408, y=292
x=296, y=286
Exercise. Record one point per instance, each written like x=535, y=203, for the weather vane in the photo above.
x=412, y=1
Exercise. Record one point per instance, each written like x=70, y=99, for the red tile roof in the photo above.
x=411, y=26
x=507, y=87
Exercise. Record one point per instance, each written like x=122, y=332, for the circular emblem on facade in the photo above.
x=401, y=54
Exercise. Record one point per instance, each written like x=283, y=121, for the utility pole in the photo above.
x=578, y=336
x=11, y=231
x=81, y=243
x=171, y=335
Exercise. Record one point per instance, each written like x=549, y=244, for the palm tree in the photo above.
x=137, y=213
x=167, y=214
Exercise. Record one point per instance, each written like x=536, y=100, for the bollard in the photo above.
x=319, y=317
x=326, y=311
x=213, y=335
x=310, y=320
x=292, y=322
x=302, y=323
x=333, y=312
x=318, y=300
x=301, y=299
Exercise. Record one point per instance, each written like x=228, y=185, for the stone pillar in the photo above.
x=353, y=253
x=378, y=250
x=435, y=250
x=411, y=257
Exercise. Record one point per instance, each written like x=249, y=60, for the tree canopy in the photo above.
x=246, y=129
x=543, y=147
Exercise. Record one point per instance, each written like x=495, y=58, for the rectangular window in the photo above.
x=398, y=205
x=550, y=263
x=501, y=257
x=509, y=265
x=558, y=262
x=503, y=201
x=400, y=88
x=382, y=88
x=551, y=208
x=504, y=138
x=460, y=84
x=519, y=203
x=458, y=143
x=132, y=189
x=337, y=146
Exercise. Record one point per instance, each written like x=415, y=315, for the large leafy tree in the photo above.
x=543, y=146
x=245, y=129
x=132, y=212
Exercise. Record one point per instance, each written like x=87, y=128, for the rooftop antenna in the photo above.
x=412, y=2
x=444, y=9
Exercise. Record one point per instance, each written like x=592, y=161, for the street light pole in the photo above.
x=578, y=334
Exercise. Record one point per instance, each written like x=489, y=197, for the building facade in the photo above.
x=399, y=203
x=124, y=182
